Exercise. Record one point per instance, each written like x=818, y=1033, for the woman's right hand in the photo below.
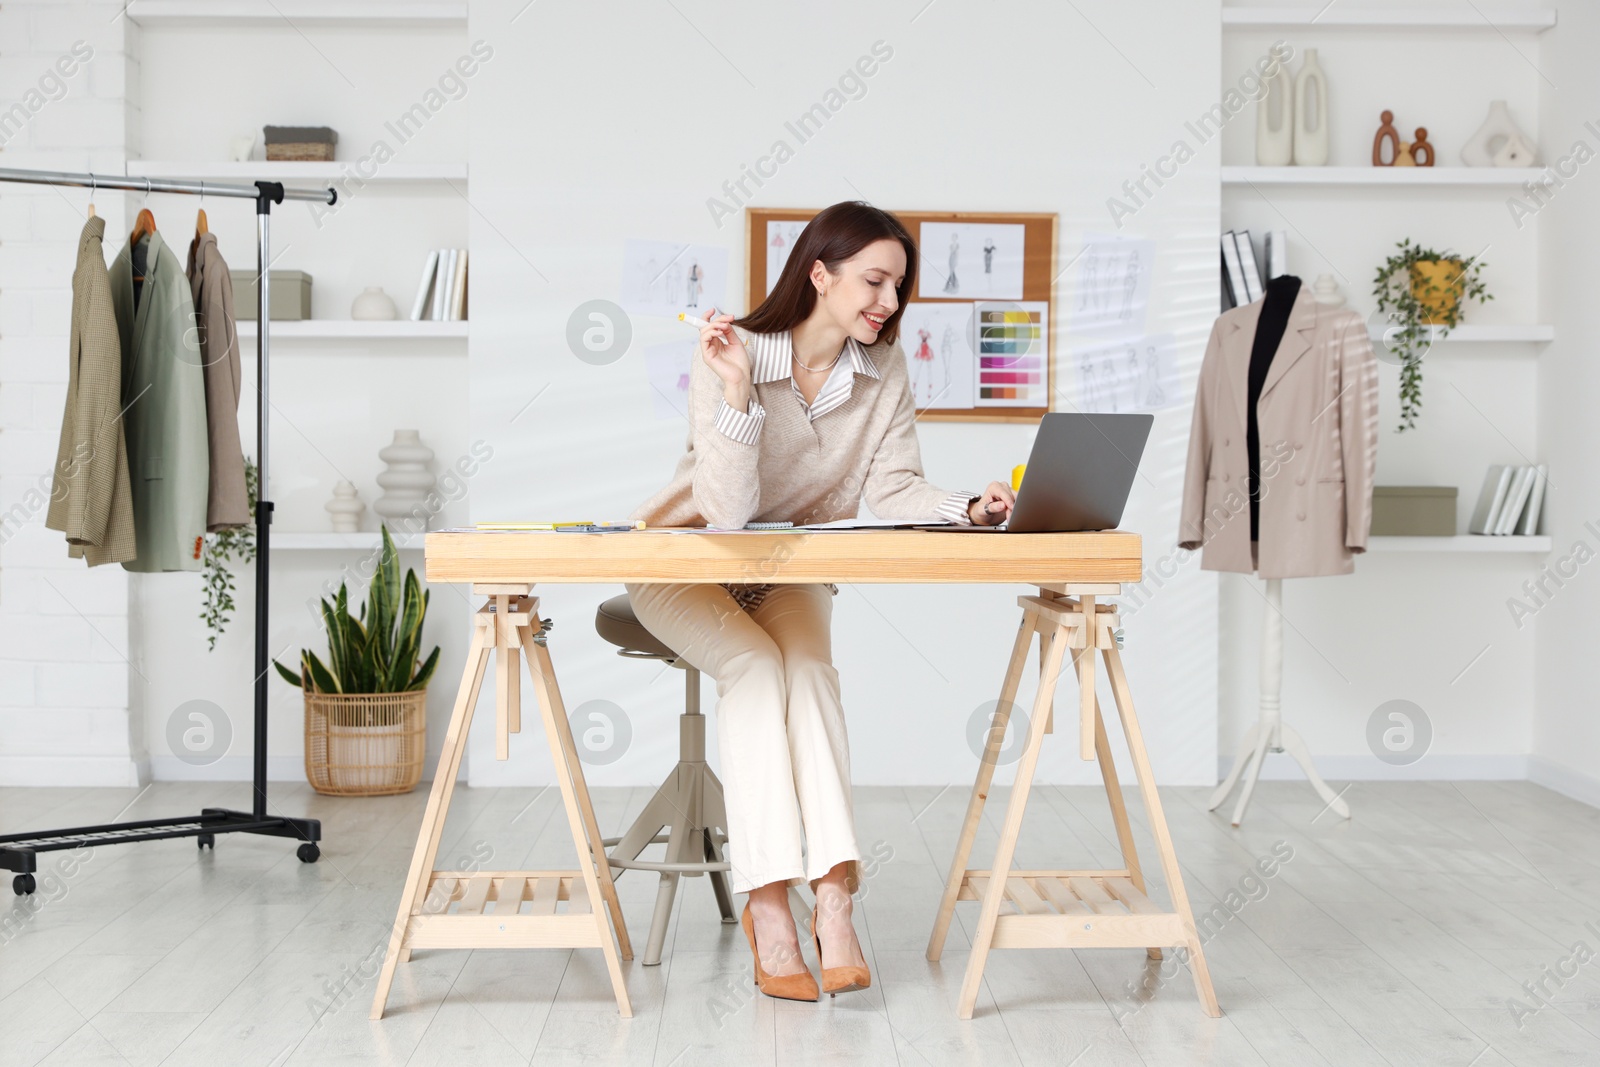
x=722, y=350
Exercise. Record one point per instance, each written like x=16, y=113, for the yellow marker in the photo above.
x=1016, y=476
x=636, y=524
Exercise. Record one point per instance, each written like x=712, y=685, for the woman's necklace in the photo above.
x=816, y=370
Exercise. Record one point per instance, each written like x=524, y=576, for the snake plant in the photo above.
x=376, y=652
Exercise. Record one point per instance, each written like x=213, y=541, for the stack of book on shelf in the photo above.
x=1510, y=501
x=442, y=293
x=1242, y=273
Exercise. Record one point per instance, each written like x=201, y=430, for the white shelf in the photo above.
x=292, y=14
x=1466, y=17
x=352, y=330
x=1386, y=176
x=340, y=542
x=305, y=172
x=1509, y=333
x=1460, y=543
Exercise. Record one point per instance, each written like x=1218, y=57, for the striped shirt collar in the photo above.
x=770, y=354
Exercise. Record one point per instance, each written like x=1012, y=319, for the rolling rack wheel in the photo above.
x=23, y=884
x=308, y=852
x=204, y=841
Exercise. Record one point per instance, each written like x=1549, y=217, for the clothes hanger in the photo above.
x=92, y=187
x=144, y=224
x=200, y=226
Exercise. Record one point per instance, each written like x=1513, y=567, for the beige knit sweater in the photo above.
x=800, y=470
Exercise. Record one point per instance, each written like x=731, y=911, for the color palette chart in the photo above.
x=1013, y=353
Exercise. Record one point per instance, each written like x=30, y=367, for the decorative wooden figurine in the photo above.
x=1422, y=147
x=1388, y=131
x=1403, y=156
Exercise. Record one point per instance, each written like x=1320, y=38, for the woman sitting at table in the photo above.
x=799, y=410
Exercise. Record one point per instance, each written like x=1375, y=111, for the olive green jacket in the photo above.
x=164, y=402
x=89, y=498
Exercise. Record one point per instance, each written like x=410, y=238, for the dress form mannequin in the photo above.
x=1269, y=734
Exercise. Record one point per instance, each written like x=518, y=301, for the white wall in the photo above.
x=1405, y=626
x=576, y=148
x=1566, y=733
x=66, y=687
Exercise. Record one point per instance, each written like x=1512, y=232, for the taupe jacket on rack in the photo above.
x=90, y=498
x=1318, y=422
x=164, y=416
x=227, y=502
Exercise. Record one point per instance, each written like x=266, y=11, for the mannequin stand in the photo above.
x=1270, y=734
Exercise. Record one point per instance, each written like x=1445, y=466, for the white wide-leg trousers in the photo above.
x=785, y=758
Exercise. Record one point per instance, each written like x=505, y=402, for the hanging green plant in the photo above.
x=1420, y=290
x=237, y=545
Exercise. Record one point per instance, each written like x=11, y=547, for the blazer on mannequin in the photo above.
x=1318, y=429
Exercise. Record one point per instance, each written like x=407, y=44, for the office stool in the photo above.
x=688, y=805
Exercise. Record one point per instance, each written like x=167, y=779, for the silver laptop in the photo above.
x=1079, y=475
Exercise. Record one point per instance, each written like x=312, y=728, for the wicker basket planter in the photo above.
x=365, y=744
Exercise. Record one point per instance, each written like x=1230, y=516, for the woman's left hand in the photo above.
x=994, y=506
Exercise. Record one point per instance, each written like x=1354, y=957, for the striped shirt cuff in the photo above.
x=743, y=427
x=954, y=507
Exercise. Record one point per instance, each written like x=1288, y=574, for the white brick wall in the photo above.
x=66, y=686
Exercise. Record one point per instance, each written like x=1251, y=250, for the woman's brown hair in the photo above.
x=834, y=235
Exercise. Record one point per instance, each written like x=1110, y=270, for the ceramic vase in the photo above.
x=373, y=305
x=1275, y=139
x=406, y=481
x=1496, y=132
x=345, y=508
x=1310, y=113
x=1516, y=152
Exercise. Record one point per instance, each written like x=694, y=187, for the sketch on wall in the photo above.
x=665, y=278
x=1112, y=293
x=781, y=237
x=970, y=261
x=1133, y=374
x=937, y=342
x=667, y=368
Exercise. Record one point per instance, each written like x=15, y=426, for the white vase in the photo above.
x=373, y=305
x=1325, y=291
x=406, y=482
x=1275, y=140
x=1516, y=152
x=1310, y=113
x=1480, y=149
x=345, y=508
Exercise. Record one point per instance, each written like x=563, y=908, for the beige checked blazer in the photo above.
x=90, y=499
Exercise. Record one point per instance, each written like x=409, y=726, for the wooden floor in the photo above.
x=1403, y=937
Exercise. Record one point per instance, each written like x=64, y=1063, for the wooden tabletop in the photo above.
x=868, y=556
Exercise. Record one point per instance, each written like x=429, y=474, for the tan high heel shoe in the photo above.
x=800, y=986
x=836, y=980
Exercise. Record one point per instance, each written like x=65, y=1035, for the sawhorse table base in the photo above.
x=1067, y=909
x=509, y=909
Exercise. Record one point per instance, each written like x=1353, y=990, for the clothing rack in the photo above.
x=19, y=852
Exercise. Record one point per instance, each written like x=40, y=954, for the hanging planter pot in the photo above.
x=1437, y=286
x=1420, y=294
